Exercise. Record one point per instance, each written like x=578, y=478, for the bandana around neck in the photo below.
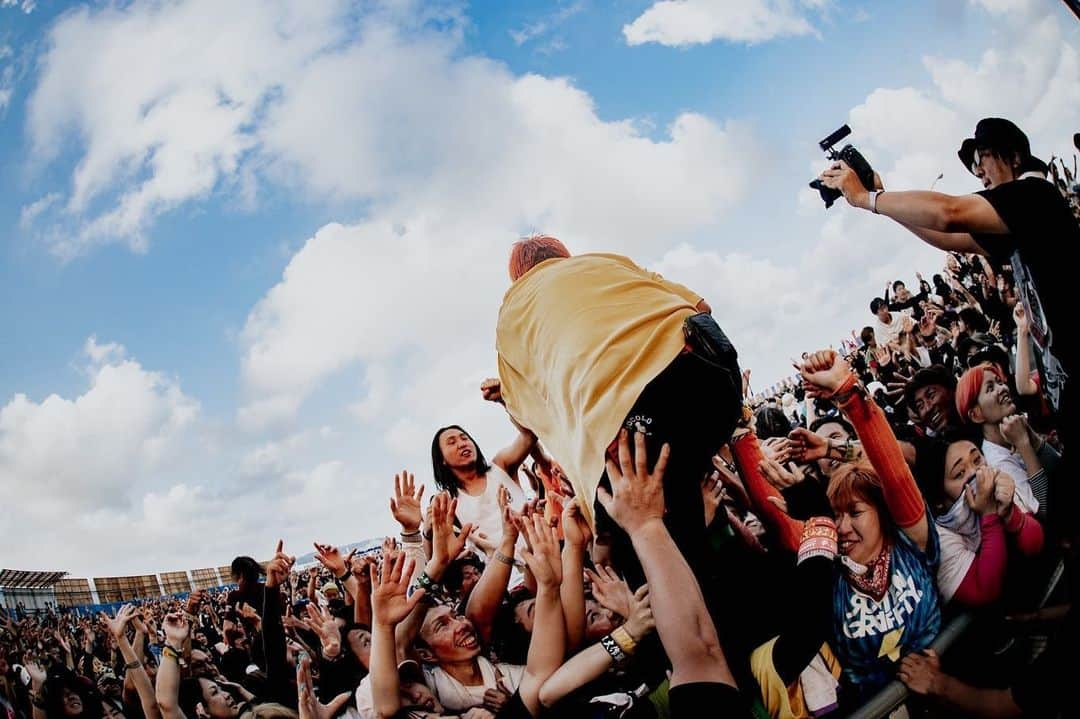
x=872, y=578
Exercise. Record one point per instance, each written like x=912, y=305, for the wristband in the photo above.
x=624, y=640
x=133, y=665
x=500, y=557
x=413, y=536
x=612, y=648
x=873, y=200
x=170, y=653
x=819, y=539
x=344, y=577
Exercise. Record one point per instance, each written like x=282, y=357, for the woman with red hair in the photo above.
x=983, y=398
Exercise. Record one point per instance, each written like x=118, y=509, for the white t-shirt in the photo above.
x=483, y=510
x=456, y=697
x=956, y=559
x=1009, y=462
x=886, y=333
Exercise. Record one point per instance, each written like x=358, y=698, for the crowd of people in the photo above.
x=659, y=541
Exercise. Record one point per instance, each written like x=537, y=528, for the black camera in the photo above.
x=849, y=155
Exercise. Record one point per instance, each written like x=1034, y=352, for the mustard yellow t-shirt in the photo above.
x=578, y=339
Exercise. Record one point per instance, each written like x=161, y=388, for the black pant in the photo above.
x=692, y=406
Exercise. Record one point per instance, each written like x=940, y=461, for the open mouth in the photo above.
x=465, y=453
x=467, y=640
x=936, y=419
x=845, y=545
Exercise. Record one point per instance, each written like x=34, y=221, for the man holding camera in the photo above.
x=1018, y=218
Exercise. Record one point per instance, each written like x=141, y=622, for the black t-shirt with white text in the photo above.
x=1044, y=231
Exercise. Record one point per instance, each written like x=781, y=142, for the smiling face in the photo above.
x=218, y=703
x=935, y=406
x=858, y=527
x=961, y=460
x=458, y=450
x=995, y=401
x=450, y=636
x=71, y=703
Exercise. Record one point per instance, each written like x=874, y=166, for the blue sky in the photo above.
x=285, y=229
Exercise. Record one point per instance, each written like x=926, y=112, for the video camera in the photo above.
x=849, y=155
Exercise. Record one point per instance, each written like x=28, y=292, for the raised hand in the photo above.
x=611, y=590
x=826, y=371
x=1023, y=325
x=640, y=622
x=322, y=623
x=445, y=545
x=510, y=529
x=491, y=390
x=712, y=495
x=390, y=585
x=191, y=606
x=637, y=496
x=806, y=446
x=176, y=628
x=777, y=448
x=37, y=673
x=360, y=570
x=542, y=557
x=780, y=476
x=117, y=625
x=308, y=706
x=406, y=502
x=250, y=613
x=576, y=530
x=331, y=558
x=277, y=571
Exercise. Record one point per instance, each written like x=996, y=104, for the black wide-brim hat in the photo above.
x=994, y=132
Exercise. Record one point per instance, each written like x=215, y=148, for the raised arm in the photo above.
x=133, y=663
x=921, y=208
x=167, y=689
x=1025, y=385
x=572, y=591
x=548, y=643
x=593, y=661
x=389, y=606
x=749, y=459
x=490, y=589
x=827, y=374
x=636, y=503
x=273, y=634
x=509, y=458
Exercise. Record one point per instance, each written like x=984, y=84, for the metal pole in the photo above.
x=895, y=693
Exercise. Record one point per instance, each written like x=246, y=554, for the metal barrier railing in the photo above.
x=895, y=693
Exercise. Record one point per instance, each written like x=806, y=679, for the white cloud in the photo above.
x=27, y=6
x=196, y=76
x=542, y=26
x=679, y=23
x=85, y=452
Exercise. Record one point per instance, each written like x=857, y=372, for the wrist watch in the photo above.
x=873, y=200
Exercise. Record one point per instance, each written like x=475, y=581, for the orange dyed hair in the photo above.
x=969, y=386
x=857, y=482
x=531, y=251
